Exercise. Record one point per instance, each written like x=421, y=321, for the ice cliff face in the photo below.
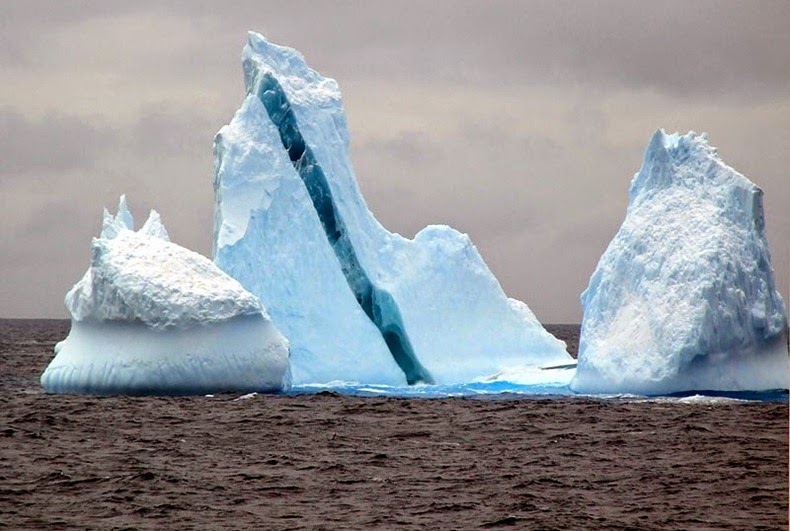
x=269, y=236
x=684, y=296
x=150, y=317
x=291, y=225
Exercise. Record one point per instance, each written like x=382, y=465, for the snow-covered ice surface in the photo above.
x=150, y=317
x=684, y=296
x=357, y=302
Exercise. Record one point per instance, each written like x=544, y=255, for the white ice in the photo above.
x=684, y=297
x=432, y=302
x=150, y=317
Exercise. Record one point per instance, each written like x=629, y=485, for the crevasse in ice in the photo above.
x=357, y=302
x=684, y=296
x=150, y=317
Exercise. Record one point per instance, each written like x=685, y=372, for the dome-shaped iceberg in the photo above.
x=150, y=317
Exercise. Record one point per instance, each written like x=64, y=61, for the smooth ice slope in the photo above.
x=684, y=297
x=268, y=236
x=440, y=311
x=150, y=317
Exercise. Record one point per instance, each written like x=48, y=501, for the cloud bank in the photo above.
x=520, y=123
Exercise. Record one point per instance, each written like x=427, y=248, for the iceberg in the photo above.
x=270, y=238
x=152, y=318
x=684, y=298
x=357, y=302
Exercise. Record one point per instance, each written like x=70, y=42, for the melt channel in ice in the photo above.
x=357, y=302
x=684, y=296
x=152, y=318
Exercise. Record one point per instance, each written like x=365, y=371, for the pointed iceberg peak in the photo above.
x=683, y=160
x=112, y=226
x=124, y=215
x=260, y=45
x=656, y=171
x=657, y=147
x=263, y=60
x=153, y=227
x=674, y=141
x=123, y=220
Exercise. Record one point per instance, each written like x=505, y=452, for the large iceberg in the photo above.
x=357, y=302
x=150, y=317
x=684, y=297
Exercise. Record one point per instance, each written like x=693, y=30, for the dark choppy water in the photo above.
x=328, y=461
x=26, y=347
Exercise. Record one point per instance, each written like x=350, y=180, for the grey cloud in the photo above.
x=708, y=48
x=11, y=52
x=27, y=22
x=50, y=220
x=413, y=148
x=44, y=14
x=47, y=253
x=541, y=193
x=163, y=130
x=55, y=143
x=479, y=180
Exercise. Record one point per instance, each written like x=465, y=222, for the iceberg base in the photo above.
x=764, y=369
x=243, y=354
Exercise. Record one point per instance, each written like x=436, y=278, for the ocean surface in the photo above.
x=489, y=455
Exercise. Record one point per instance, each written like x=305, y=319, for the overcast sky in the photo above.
x=520, y=123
